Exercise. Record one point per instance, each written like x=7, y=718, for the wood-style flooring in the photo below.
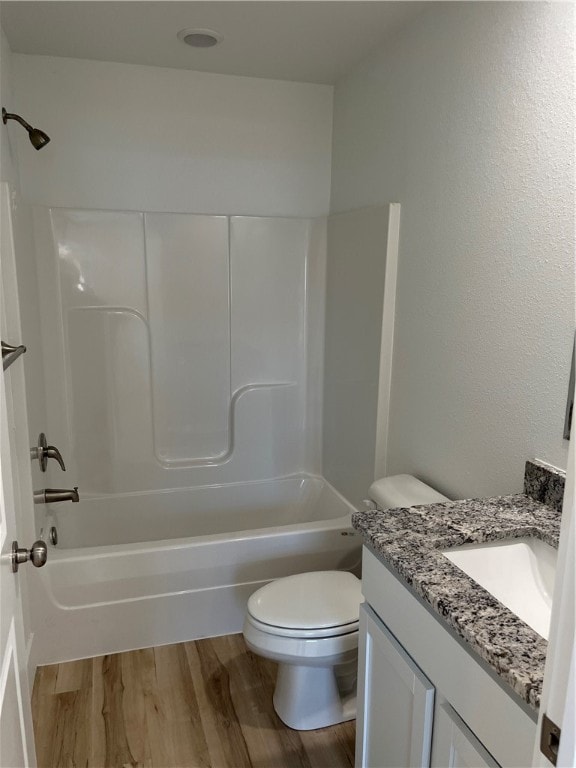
x=205, y=703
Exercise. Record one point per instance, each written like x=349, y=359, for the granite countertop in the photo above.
x=409, y=540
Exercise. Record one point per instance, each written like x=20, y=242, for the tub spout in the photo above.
x=52, y=495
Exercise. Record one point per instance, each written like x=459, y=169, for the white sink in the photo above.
x=517, y=572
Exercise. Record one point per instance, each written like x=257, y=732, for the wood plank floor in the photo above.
x=206, y=703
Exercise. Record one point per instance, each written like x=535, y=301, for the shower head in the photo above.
x=38, y=138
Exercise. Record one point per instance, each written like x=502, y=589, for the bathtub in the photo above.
x=145, y=569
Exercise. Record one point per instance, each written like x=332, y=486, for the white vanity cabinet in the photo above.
x=455, y=746
x=394, y=723
x=423, y=698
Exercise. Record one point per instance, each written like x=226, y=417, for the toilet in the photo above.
x=308, y=623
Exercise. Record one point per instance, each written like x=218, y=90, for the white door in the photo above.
x=16, y=736
x=395, y=701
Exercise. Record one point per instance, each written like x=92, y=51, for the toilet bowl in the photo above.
x=308, y=623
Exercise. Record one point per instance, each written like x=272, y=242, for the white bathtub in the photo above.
x=147, y=569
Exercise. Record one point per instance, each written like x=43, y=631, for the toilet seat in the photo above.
x=317, y=604
x=304, y=634
x=299, y=650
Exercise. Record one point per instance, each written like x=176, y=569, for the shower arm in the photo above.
x=13, y=116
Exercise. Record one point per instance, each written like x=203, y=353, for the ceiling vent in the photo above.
x=199, y=38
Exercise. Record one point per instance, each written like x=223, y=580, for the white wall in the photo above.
x=10, y=136
x=355, y=280
x=29, y=409
x=25, y=262
x=467, y=121
x=147, y=138
x=8, y=162
x=130, y=138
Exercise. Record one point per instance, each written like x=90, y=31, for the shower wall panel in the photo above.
x=109, y=368
x=357, y=251
x=268, y=262
x=100, y=258
x=175, y=346
x=188, y=308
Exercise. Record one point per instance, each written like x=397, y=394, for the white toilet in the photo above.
x=308, y=623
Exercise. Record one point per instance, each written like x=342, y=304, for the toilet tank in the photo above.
x=403, y=491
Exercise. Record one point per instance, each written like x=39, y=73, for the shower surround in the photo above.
x=181, y=350
x=183, y=360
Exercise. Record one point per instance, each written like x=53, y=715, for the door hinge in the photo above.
x=549, y=739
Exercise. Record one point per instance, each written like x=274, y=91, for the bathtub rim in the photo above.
x=90, y=497
x=75, y=554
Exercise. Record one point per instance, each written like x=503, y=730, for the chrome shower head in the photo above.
x=38, y=138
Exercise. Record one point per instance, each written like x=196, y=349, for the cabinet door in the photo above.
x=395, y=702
x=455, y=746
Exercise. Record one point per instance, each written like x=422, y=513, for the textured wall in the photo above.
x=149, y=138
x=467, y=120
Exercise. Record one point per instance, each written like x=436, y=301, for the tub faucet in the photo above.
x=51, y=495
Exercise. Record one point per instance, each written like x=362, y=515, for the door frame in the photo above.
x=558, y=700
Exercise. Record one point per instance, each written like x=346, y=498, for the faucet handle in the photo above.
x=43, y=452
x=53, y=453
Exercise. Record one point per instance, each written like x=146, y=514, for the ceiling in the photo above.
x=304, y=41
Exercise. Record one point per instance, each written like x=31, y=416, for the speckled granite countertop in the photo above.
x=410, y=540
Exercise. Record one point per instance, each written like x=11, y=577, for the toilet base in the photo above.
x=308, y=697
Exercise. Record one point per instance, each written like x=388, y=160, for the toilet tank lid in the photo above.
x=403, y=491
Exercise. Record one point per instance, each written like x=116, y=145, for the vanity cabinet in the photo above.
x=455, y=746
x=397, y=711
x=423, y=698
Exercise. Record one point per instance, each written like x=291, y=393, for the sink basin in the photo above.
x=517, y=572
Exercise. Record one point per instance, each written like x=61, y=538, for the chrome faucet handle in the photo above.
x=43, y=452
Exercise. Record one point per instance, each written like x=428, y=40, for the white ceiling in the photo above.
x=304, y=41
